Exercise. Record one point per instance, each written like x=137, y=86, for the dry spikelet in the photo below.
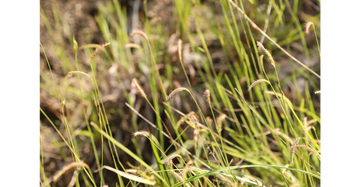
x=207, y=95
x=63, y=105
x=195, y=136
x=307, y=27
x=310, y=127
x=194, y=123
x=139, y=32
x=139, y=133
x=257, y=82
x=193, y=120
x=67, y=167
x=169, y=158
x=219, y=121
x=182, y=120
x=180, y=49
x=174, y=92
x=70, y=73
x=292, y=149
x=147, y=135
x=317, y=92
x=267, y=53
x=132, y=45
x=97, y=49
x=135, y=82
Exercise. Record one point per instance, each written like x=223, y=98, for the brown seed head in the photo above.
x=267, y=53
x=307, y=27
x=139, y=32
x=174, y=92
x=207, y=95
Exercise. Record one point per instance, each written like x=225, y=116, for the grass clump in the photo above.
x=121, y=128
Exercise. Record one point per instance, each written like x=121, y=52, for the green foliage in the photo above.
x=247, y=131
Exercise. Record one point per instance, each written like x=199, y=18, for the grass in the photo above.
x=204, y=125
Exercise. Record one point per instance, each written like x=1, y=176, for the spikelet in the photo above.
x=267, y=53
x=147, y=135
x=169, y=158
x=65, y=168
x=196, y=136
x=174, y=92
x=193, y=120
x=194, y=123
x=207, y=96
x=317, y=92
x=63, y=105
x=219, y=121
x=139, y=133
x=292, y=148
x=310, y=127
x=307, y=27
x=183, y=119
x=135, y=82
x=139, y=32
x=257, y=82
x=70, y=73
x=132, y=45
x=180, y=49
x=97, y=49
x=75, y=45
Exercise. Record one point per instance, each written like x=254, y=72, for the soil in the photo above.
x=80, y=18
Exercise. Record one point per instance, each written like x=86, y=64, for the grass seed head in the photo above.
x=207, y=95
x=139, y=32
x=66, y=167
x=174, y=92
x=219, y=121
x=193, y=119
x=97, y=49
x=184, y=118
x=169, y=159
x=180, y=49
x=307, y=27
x=70, y=73
x=266, y=52
x=63, y=105
x=257, y=82
x=75, y=45
x=135, y=82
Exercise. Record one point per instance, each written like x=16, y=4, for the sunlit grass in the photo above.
x=244, y=130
